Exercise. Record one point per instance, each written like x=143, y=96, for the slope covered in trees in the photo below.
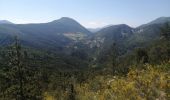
x=90, y=71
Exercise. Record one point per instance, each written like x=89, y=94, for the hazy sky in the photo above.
x=90, y=13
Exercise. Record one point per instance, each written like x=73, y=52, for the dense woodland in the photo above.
x=120, y=72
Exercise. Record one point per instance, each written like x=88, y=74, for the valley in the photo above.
x=63, y=60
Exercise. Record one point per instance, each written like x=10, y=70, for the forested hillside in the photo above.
x=62, y=60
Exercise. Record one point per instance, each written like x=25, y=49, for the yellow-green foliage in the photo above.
x=149, y=84
x=56, y=95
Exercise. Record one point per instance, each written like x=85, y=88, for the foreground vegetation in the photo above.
x=151, y=83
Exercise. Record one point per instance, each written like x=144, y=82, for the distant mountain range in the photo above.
x=65, y=33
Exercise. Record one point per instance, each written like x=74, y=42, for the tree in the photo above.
x=71, y=93
x=16, y=70
x=21, y=81
x=165, y=31
x=114, y=55
x=141, y=56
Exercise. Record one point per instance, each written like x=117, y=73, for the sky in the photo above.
x=90, y=13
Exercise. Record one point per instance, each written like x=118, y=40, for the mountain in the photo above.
x=115, y=31
x=160, y=20
x=64, y=33
x=58, y=35
x=67, y=37
x=125, y=38
x=5, y=22
x=146, y=33
x=111, y=34
x=131, y=37
x=67, y=25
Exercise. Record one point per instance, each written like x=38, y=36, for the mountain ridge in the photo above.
x=5, y=22
x=43, y=35
x=66, y=31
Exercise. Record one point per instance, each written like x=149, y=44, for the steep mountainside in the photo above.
x=145, y=34
x=113, y=34
x=106, y=37
x=129, y=37
x=160, y=20
x=125, y=38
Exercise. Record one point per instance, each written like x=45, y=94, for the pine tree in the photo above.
x=165, y=31
x=16, y=71
x=114, y=54
x=22, y=82
x=72, y=92
x=141, y=56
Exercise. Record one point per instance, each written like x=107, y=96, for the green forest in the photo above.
x=134, y=67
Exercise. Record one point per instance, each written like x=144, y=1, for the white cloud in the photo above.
x=95, y=24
